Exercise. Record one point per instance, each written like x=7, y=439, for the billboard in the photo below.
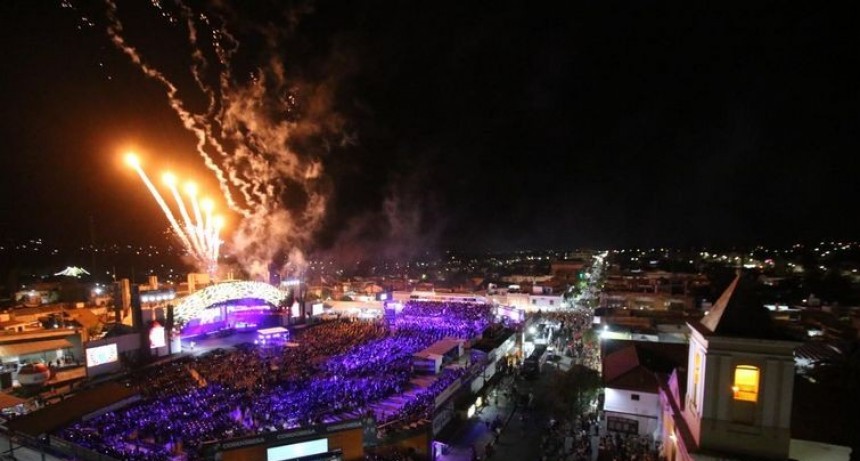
x=343, y=440
x=297, y=450
x=101, y=355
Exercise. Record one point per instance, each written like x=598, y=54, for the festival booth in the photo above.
x=496, y=352
x=426, y=363
x=60, y=348
x=512, y=313
x=272, y=337
x=361, y=310
x=432, y=359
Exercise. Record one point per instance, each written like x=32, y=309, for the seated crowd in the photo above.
x=454, y=319
x=338, y=368
x=452, y=309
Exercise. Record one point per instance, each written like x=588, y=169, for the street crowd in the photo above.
x=615, y=446
x=574, y=441
x=572, y=336
x=584, y=437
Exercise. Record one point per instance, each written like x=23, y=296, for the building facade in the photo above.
x=735, y=400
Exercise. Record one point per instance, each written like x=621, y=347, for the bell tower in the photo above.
x=740, y=378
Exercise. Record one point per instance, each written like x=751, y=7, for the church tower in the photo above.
x=740, y=379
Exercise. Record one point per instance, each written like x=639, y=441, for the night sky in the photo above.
x=469, y=125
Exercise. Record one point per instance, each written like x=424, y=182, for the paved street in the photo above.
x=522, y=430
x=524, y=427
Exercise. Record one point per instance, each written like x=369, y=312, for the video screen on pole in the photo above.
x=297, y=450
x=101, y=355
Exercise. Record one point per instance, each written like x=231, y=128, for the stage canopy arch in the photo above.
x=191, y=306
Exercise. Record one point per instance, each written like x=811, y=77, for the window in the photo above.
x=534, y=301
x=634, y=397
x=551, y=302
x=746, y=383
x=697, y=370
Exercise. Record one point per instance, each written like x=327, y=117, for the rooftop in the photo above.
x=633, y=365
x=740, y=313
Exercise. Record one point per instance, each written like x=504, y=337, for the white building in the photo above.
x=732, y=400
x=630, y=374
x=529, y=302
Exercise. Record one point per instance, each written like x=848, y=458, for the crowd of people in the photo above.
x=571, y=337
x=585, y=436
x=338, y=368
x=615, y=446
x=570, y=440
x=454, y=319
x=393, y=454
x=470, y=312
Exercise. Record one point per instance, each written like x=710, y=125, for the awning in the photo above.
x=32, y=347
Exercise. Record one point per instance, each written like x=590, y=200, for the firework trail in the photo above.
x=245, y=137
x=200, y=237
x=216, y=248
x=177, y=229
x=207, y=223
x=191, y=191
x=115, y=30
x=170, y=180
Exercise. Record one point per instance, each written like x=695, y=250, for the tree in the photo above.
x=569, y=394
x=590, y=338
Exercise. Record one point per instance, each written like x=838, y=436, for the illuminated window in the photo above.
x=697, y=370
x=746, y=383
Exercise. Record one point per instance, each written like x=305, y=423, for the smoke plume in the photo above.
x=406, y=225
x=263, y=132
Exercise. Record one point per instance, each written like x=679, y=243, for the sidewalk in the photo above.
x=476, y=432
x=21, y=452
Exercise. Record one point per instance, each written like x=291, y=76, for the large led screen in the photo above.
x=101, y=355
x=157, y=337
x=297, y=450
